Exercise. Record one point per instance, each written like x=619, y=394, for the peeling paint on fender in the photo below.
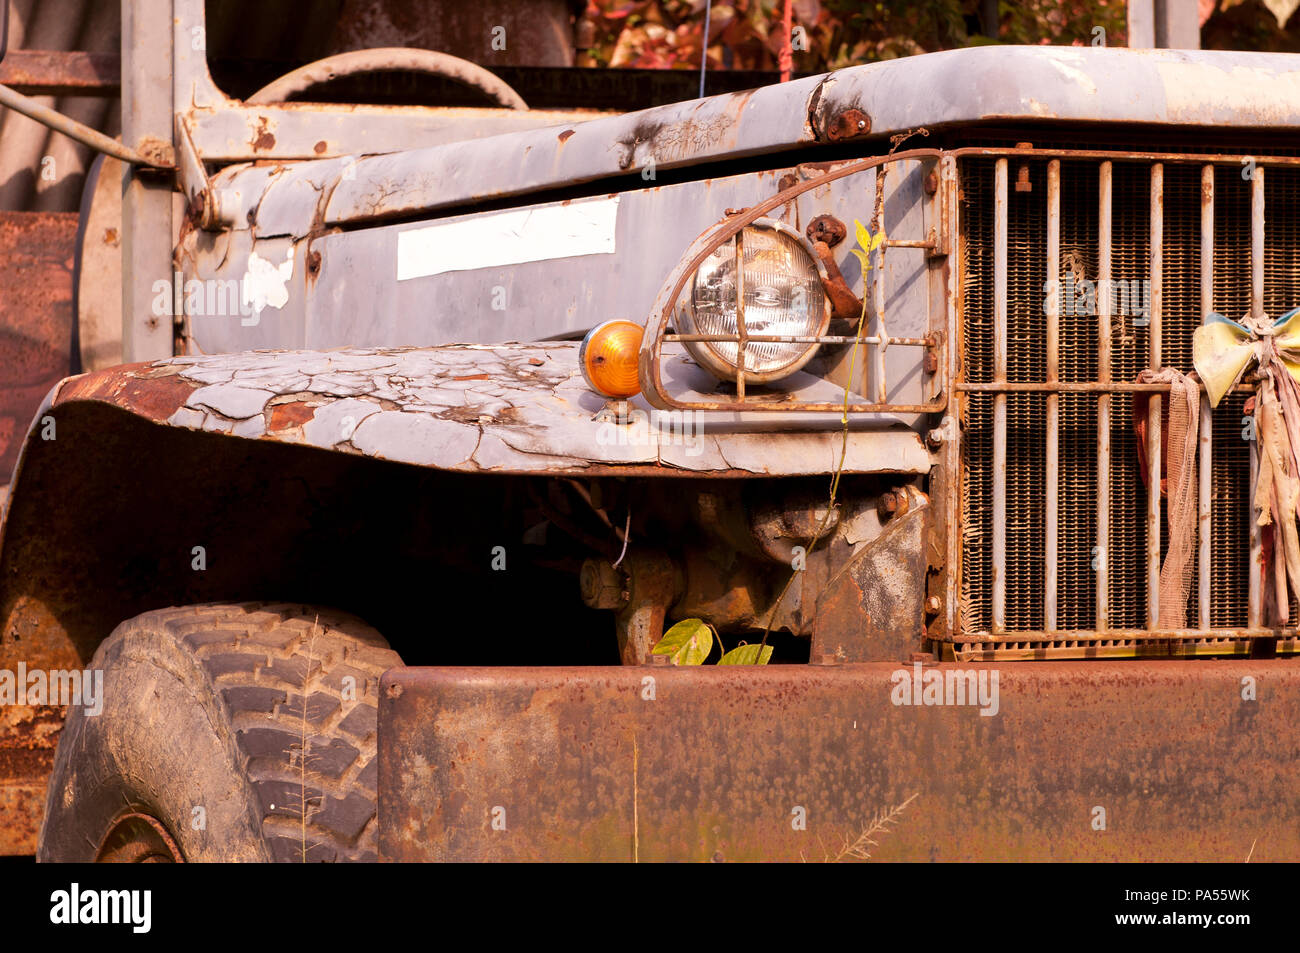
x=511, y=408
x=266, y=285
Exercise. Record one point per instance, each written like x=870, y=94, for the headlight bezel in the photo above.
x=717, y=364
x=675, y=393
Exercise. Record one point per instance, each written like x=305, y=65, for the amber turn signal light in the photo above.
x=609, y=358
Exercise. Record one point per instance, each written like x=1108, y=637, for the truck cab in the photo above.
x=429, y=424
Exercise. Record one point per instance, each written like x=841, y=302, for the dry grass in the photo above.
x=859, y=848
x=636, y=825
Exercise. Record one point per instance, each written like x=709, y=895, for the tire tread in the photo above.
x=261, y=660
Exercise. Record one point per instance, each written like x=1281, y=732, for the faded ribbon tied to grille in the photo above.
x=1180, y=482
x=1223, y=351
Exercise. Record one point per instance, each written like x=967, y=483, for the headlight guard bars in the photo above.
x=670, y=294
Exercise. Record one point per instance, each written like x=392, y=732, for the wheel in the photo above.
x=195, y=754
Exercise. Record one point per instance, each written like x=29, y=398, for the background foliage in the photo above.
x=746, y=34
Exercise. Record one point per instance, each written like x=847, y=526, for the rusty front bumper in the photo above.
x=1081, y=761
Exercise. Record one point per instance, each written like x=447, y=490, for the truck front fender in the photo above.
x=128, y=470
x=474, y=408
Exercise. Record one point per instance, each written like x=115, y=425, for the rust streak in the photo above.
x=288, y=416
x=263, y=139
x=134, y=387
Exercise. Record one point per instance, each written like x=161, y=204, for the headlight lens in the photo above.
x=783, y=296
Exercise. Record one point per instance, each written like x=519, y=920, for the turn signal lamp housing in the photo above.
x=608, y=358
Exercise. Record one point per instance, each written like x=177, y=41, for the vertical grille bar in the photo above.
x=1206, y=459
x=1153, y=406
x=1256, y=311
x=1053, y=302
x=1000, y=217
x=1104, y=298
x=1281, y=265
x=976, y=330
x=1231, y=489
x=1076, y=492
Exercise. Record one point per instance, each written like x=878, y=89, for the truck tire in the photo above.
x=195, y=754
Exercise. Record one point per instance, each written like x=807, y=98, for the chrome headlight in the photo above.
x=783, y=295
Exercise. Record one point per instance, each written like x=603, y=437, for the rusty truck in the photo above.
x=425, y=423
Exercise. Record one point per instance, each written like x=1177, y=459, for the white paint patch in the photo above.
x=231, y=400
x=266, y=284
x=415, y=438
x=1070, y=66
x=582, y=227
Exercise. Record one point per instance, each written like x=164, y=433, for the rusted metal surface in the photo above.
x=1001, y=213
x=603, y=587
x=407, y=183
x=152, y=58
x=1052, y=449
x=977, y=85
x=134, y=387
x=845, y=305
x=1105, y=214
x=1070, y=84
x=99, y=269
x=873, y=608
x=36, y=251
x=1132, y=156
x=849, y=124
x=785, y=762
x=1131, y=189
x=1257, y=566
x=506, y=409
x=1076, y=387
x=946, y=488
x=1116, y=643
x=86, y=135
x=1155, y=443
x=59, y=72
x=231, y=134
x=823, y=228
x=654, y=582
x=1205, y=488
x=28, y=736
x=22, y=808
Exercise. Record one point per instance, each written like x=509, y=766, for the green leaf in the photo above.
x=863, y=258
x=747, y=655
x=864, y=236
x=876, y=240
x=687, y=643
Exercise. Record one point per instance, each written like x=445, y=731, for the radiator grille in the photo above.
x=1077, y=584
x=1025, y=480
